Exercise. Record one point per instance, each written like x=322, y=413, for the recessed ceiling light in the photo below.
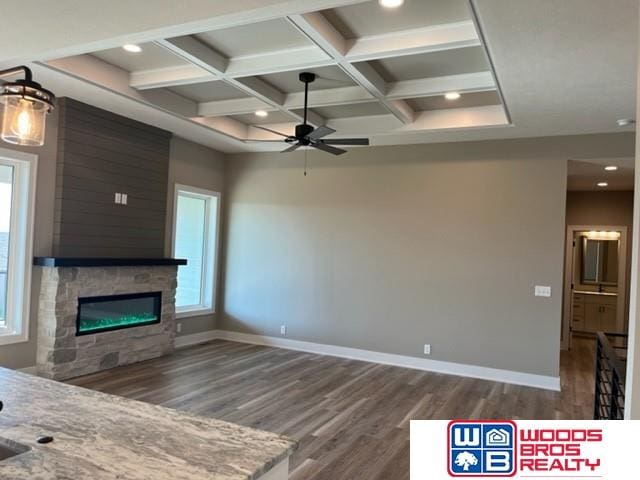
x=611, y=168
x=262, y=113
x=390, y=3
x=603, y=184
x=624, y=122
x=452, y=96
x=132, y=48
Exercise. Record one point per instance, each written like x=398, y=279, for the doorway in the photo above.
x=595, y=291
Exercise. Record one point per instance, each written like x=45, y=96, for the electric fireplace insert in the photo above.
x=114, y=312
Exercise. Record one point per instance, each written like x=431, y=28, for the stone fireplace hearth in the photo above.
x=63, y=351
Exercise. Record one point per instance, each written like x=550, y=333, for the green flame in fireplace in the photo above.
x=96, y=324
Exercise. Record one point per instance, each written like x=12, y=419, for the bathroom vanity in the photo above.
x=594, y=311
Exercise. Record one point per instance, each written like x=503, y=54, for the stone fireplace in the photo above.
x=96, y=314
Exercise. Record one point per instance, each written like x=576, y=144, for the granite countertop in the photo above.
x=99, y=436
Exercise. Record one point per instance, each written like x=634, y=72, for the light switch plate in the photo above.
x=124, y=199
x=542, y=291
x=118, y=198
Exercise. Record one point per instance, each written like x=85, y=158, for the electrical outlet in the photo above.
x=427, y=349
x=178, y=327
x=118, y=198
x=124, y=199
x=283, y=329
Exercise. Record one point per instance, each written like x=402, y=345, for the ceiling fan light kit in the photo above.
x=308, y=136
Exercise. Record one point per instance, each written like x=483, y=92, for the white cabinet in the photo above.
x=594, y=313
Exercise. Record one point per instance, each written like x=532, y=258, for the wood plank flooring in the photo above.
x=350, y=417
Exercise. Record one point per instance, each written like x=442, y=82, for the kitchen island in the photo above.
x=98, y=436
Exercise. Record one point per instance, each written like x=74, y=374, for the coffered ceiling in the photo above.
x=523, y=68
x=378, y=70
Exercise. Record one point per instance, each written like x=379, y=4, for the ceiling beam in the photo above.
x=204, y=57
x=415, y=41
x=244, y=66
x=408, y=42
x=384, y=125
x=99, y=72
x=427, y=87
x=278, y=61
x=318, y=29
x=169, y=77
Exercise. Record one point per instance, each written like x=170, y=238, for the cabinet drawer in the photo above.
x=577, y=297
x=578, y=324
x=606, y=300
x=578, y=308
x=600, y=300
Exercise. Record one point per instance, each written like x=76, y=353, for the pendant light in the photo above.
x=26, y=105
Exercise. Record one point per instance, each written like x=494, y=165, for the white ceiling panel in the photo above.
x=352, y=110
x=150, y=58
x=255, y=38
x=428, y=65
x=208, y=91
x=252, y=119
x=327, y=77
x=369, y=18
x=466, y=100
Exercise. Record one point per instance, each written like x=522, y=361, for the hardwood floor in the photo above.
x=350, y=417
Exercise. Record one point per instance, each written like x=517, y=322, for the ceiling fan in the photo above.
x=307, y=136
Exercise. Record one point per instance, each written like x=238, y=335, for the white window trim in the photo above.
x=210, y=273
x=20, y=262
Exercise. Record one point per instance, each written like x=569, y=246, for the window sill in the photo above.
x=11, y=338
x=196, y=312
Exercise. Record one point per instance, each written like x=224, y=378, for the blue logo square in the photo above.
x=466, y=462
x=481, y=448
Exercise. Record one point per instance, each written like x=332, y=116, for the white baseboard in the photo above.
x=450, y=368
x=196, y=338
x=463, y=370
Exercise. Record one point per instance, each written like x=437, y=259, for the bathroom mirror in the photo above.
x=599, y=261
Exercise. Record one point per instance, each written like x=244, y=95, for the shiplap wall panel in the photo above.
x=99, y=154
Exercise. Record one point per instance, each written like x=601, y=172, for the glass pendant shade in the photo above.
x=23, y=121
x=26, y=105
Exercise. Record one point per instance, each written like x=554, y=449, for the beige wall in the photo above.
x=600, y=208
x=21, y=355
x=196, y=166
x=390, y=248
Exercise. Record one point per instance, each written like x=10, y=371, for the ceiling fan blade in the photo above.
x=291, y=148
x=257, y=140
x=346, y=141
x=272, y=131
x=328, y=148
x=320, y=132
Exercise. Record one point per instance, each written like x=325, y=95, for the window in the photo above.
x=17, y=189
x=195, y=237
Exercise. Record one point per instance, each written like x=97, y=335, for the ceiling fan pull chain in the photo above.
x=306, y=151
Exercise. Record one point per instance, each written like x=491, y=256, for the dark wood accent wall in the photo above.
x=101, y=154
